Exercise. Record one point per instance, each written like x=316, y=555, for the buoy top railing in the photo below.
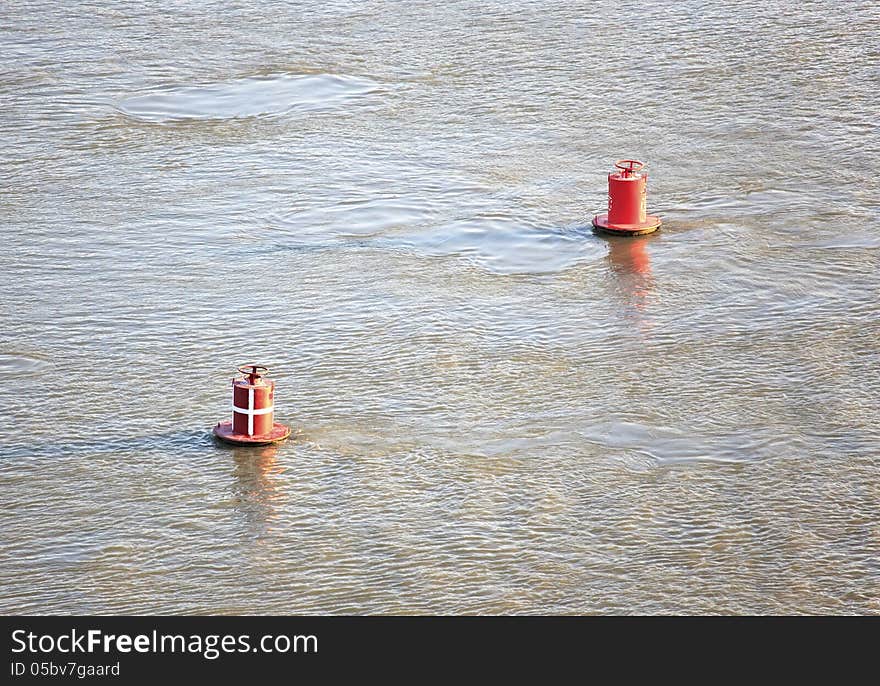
x=629, y=167
x=256, y=373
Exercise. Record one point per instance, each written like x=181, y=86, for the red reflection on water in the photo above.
x=257, y=488
x=631, y=263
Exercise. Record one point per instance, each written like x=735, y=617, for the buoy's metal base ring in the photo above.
x=650, y=225
x=224, y=432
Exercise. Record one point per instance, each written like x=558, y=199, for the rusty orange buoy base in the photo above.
x=253, y=410
x=627, y=202
x=225, y=433
x=600, y=223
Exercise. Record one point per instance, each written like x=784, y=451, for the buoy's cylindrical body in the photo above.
x=253, y=406
x=627, y=198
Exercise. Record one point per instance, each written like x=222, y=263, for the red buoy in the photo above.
x=627, y=202
x=253, y=410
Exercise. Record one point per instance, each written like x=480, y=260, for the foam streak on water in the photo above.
x=495, y=409
x=248, y=97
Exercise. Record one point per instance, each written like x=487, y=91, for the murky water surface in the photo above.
x=496, y=411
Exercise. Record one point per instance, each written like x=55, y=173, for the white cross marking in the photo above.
x=250, y=411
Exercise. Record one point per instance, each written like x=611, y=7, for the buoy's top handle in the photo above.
x=254, y=372
x=629, y=167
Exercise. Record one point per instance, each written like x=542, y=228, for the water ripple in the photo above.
x=249, y=97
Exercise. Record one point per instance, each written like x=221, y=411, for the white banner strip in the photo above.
x=250, y=412
x=241, y=410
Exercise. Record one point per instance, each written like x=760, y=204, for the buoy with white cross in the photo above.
x=253, y=410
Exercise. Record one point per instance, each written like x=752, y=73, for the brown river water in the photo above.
x=388, y=203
